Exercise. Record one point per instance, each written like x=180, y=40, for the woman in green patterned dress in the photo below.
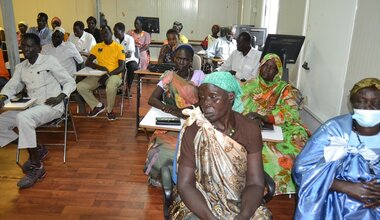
x=268, y=99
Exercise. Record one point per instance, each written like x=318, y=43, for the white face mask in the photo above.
x=366, y=118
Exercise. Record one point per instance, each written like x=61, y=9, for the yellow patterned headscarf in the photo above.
x=365, y=83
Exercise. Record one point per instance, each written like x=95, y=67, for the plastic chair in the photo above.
x=197, y=62
x=57, y=123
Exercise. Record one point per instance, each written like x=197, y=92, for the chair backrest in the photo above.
x=197, y=62
x=137, y=52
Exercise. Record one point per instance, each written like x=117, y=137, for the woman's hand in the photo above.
x=173, y=110
x=367, y=193
x=257, y=117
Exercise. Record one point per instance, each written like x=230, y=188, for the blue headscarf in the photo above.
x=227, y=82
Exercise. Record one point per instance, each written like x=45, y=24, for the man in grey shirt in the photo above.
x=42, y=30
x=49, y=83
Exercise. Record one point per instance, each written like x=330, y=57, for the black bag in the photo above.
x=160, y=68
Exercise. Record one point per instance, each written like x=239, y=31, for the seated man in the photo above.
x=42, y=30
x=82, y=40
x=48, y=82
x=223, y=46
x=68, y=56
x=4, y=74
x=243, y=62
x=110, y=57
x=220, y=169
x=65, y=52
x=209, y=39
x=129, y=48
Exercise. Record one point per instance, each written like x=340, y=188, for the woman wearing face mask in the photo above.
x=338, y=171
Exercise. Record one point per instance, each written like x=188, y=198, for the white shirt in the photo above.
x=246, y=67
x=129, y=46
x=44, y=79
x=66, y=54
x=222, y=48
x=84, y=43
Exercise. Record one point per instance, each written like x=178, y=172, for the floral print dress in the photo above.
x=277, y=101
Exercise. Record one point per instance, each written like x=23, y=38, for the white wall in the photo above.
x=68, y=11
x=327, y=50
x=196, y=16
x=290, y=21
x=364, y=55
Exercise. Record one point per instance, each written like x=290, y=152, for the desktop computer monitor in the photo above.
x=280, y=44
x=151, y=24
x=258, y=34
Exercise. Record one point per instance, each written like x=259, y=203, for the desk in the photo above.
x=18, y=105
x=141, y=74
x=217, y=60
x=149, y=121
x=87, y=71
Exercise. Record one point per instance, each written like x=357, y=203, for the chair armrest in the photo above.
x=167, y=189
x=271, y=186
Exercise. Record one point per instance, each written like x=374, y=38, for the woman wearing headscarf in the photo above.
x=56, y=22
x=270, y=100
x=220, y=170
x=22, y=27
x=338, y=171
x=142, y=41
x=178, y=27
x=176, y=90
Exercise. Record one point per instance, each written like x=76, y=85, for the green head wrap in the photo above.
x=227, y=82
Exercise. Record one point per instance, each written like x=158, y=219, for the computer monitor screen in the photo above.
x=280, y=44
x=150, y=24
x=258, y=34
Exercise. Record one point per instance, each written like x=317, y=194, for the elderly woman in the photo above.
x=167, y=50
x=142, y=41
x=338, y=171
x=220, y=170
x=176, y=90
x=270, y=100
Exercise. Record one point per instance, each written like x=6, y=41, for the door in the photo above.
x=326, y=50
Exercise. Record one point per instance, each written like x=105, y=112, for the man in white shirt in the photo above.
x=131, y=62
x=65, y=52
x=223, y=46
x=243, y=62
x=82, y=40
x=49, y=83
x=42, y=30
